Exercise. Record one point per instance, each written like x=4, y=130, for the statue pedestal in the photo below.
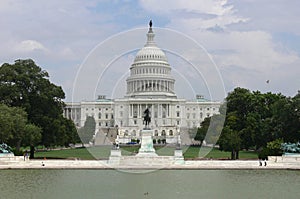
x=178, y=157
x=115, y=157
x=147, y=144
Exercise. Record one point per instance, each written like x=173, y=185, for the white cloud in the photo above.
x=246, y=54
x=215, y=7
x=238, y=34
x=56, y=34
x=29, y=45
x=197, y=14
x=252, y=49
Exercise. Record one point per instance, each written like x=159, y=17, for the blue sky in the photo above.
x=251, y=41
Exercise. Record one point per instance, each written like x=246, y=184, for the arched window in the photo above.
x=170, y=133
x=163, y=133
x=155, y=133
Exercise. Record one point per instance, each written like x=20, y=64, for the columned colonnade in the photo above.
x=157, y=110
x=150, y=85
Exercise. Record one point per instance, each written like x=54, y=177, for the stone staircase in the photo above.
x=105, y=136
x=146, y=161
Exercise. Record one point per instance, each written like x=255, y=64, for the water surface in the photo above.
x=56, y=184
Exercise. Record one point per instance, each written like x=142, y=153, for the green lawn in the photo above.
x=206, y=152
x=79, y=153
x=103, y=152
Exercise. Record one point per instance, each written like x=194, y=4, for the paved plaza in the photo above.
x=19, y=163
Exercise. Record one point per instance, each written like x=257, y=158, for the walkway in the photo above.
x=19, y=163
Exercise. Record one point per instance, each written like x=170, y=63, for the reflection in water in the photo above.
x=48, y=184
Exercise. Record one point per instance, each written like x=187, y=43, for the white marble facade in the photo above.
x=150, y=85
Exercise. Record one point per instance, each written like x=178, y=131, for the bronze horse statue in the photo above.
x=147, y=118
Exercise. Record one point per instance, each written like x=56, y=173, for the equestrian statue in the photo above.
x=147, y=118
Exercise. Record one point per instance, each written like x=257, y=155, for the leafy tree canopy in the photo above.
x=24, y=84
x=255, y=119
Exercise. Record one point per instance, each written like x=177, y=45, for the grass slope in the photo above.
x=103, y=152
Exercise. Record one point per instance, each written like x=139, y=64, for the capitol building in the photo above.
x=149, y=85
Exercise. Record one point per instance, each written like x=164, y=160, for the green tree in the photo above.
x=293, y=125
x=87, y=132
x=286, y=119
x=263, y=122
x=259, y=118
x=213, y=126
x=6, y=123
x=12, y=125
x=239, y=101
x=230, y=139
x=18, y=132
x=32, y=137
x=201, y=132
x=15, y=129
x=250, y=131
x=24, y=84
x=274, y=147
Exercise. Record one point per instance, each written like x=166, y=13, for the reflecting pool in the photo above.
x=159, y=184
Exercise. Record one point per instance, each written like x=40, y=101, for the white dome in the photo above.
x=150, y=73
x=150, y=53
